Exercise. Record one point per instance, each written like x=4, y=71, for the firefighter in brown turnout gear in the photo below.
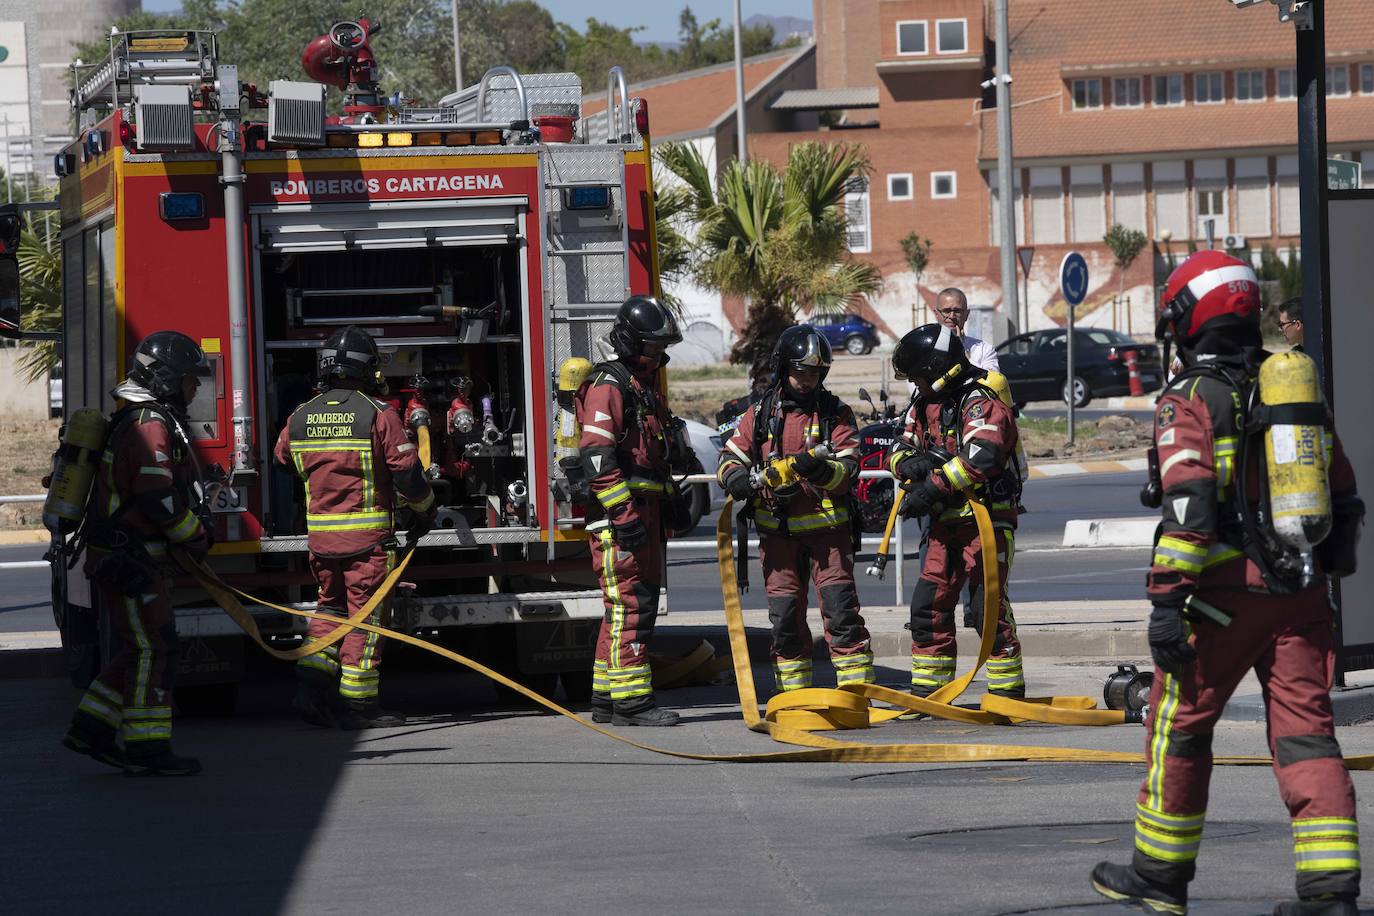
x=804, y=526
x=959, y=442
x=624, y=450
x=1239, y=583
x=147, y=497
x=353, y=454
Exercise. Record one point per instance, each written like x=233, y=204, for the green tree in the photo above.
x=777, y=239
x=705, y=45
x=916, y=250
x=40, y=291
x=1126, y=245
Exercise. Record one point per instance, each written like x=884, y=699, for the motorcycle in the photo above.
x=881, y=428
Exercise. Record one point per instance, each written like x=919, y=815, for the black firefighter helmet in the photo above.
x=351, y=354
x=927, y=352
x=800, y=347
x=162, y=360
x=641, y=320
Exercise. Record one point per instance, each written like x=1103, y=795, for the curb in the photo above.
x=1135, y=531
x=26, y=536
x=1069, y=468
x=1145, y=402
x=1349, y=706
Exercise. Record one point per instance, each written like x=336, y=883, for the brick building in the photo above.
x=1157, y=115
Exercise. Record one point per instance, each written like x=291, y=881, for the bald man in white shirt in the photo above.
x=951, y=309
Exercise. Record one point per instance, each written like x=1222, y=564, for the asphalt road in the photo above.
x=1041, y=572
x=498, y=811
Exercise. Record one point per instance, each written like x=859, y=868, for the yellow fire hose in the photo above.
x=423, y=447
x=848, y=707
x=885, y=548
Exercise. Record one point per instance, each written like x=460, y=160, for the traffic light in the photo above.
x=11, y=225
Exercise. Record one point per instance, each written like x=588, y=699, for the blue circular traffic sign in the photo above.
x=1073, y=278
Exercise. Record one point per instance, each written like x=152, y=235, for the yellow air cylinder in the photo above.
x=1002, y=388
x=1295, y=453
x=74, y=469
x=567, y=431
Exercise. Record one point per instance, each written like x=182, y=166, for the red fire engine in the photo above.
x=483, y=241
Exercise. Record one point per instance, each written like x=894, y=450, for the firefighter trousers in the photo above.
x=953, y=554
x=345, y=585
x=789, y=563
x=132, y=694
x=1288, y=641
x=630, y=585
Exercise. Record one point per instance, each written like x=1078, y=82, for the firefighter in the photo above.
x=353, y=454
x=147, y=497
x=1225, y=603
x=804, y=527
x=959, y=441
x=624, y=450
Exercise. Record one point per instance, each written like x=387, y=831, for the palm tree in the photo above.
x=778, y=240
x=40, y=294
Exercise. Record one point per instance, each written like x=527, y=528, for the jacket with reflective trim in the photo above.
x=624, y=443
x=813, y=506
x=353, y=454
x=146, y=485
x=980, y=432
x=1196, y=435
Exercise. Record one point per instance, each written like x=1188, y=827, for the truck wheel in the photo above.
x=577, y=685
x=207, y=699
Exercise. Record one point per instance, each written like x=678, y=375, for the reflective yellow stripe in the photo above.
x=765, y=520
x=185, y=528
x=348, y=521
x=956, y=474
x=614, y=495
x=1179, y=554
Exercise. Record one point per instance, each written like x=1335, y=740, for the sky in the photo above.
x=659, y=17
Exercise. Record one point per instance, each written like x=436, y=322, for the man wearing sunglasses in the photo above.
x=1290, y=322
x=951, y=307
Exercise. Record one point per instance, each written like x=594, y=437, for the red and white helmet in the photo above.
x=1210, y=289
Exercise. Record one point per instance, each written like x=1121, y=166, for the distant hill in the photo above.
x=784, y=27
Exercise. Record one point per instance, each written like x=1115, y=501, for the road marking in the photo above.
x=1069, y=468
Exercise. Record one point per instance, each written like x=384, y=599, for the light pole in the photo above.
x=739, y=87
x=1005, y=185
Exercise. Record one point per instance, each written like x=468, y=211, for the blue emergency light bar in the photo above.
x=174, y=205
x=590, y=198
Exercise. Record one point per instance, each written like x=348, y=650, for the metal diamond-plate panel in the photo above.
x=502, y=102
x=592, y=278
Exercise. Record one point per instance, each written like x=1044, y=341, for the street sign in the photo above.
x=1073, y=283
x=1025, y=254
x=1073, y=278
x=1342, y=175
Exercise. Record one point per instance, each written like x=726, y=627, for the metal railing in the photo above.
x=35, y=498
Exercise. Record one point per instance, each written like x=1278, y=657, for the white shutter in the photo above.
x=1290, y=222
x=1171, y=209
x=1252, y=197
x=1047, y=206
x=387, y=224
x=996, y=221
x=1089, y=203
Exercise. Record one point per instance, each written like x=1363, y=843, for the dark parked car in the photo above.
x=855, y=334
x=1035, y=365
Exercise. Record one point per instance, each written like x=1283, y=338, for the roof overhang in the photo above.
x=826, y=99
x=918, y=64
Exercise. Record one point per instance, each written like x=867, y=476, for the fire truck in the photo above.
x=483, y=241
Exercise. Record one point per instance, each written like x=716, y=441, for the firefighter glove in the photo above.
x=916, y=466
x=810, y=467
x=920, y=500
x=738, y=485
x=420, y=523
x=1168, y=635
x=677, y=511
x=631, y=535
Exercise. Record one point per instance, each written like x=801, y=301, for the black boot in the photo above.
x=314, y=706
x=642, y=711
x=1326, y=905
x=1015, y=693
x=601, y=708
x=1125, y=884
x=99, y=747
x=164, y=763
x=361, y=714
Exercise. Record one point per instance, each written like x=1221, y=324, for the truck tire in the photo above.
x=577, y=685
x=211, y=700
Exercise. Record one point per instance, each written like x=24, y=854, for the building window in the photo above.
x=951, y=36
x=1211, y=205
x=1367, y=79
x=1088, y=203
x=1168, y=89
x=1209, y=88
x=1126, y=92
x=1249, y=85
x=1286, y=83
x=1047, y=206
x=1252, y=197
x=1017, y=209
x=856, y=211
x=899, y=186
x=943, y=185
x=1171, y=199
x=1338, y=81
x=1289, y=198
x=1087, y=94
x=1128, y=195
x=911, y=37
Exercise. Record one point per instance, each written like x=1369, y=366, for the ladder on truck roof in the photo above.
x=144, y=57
